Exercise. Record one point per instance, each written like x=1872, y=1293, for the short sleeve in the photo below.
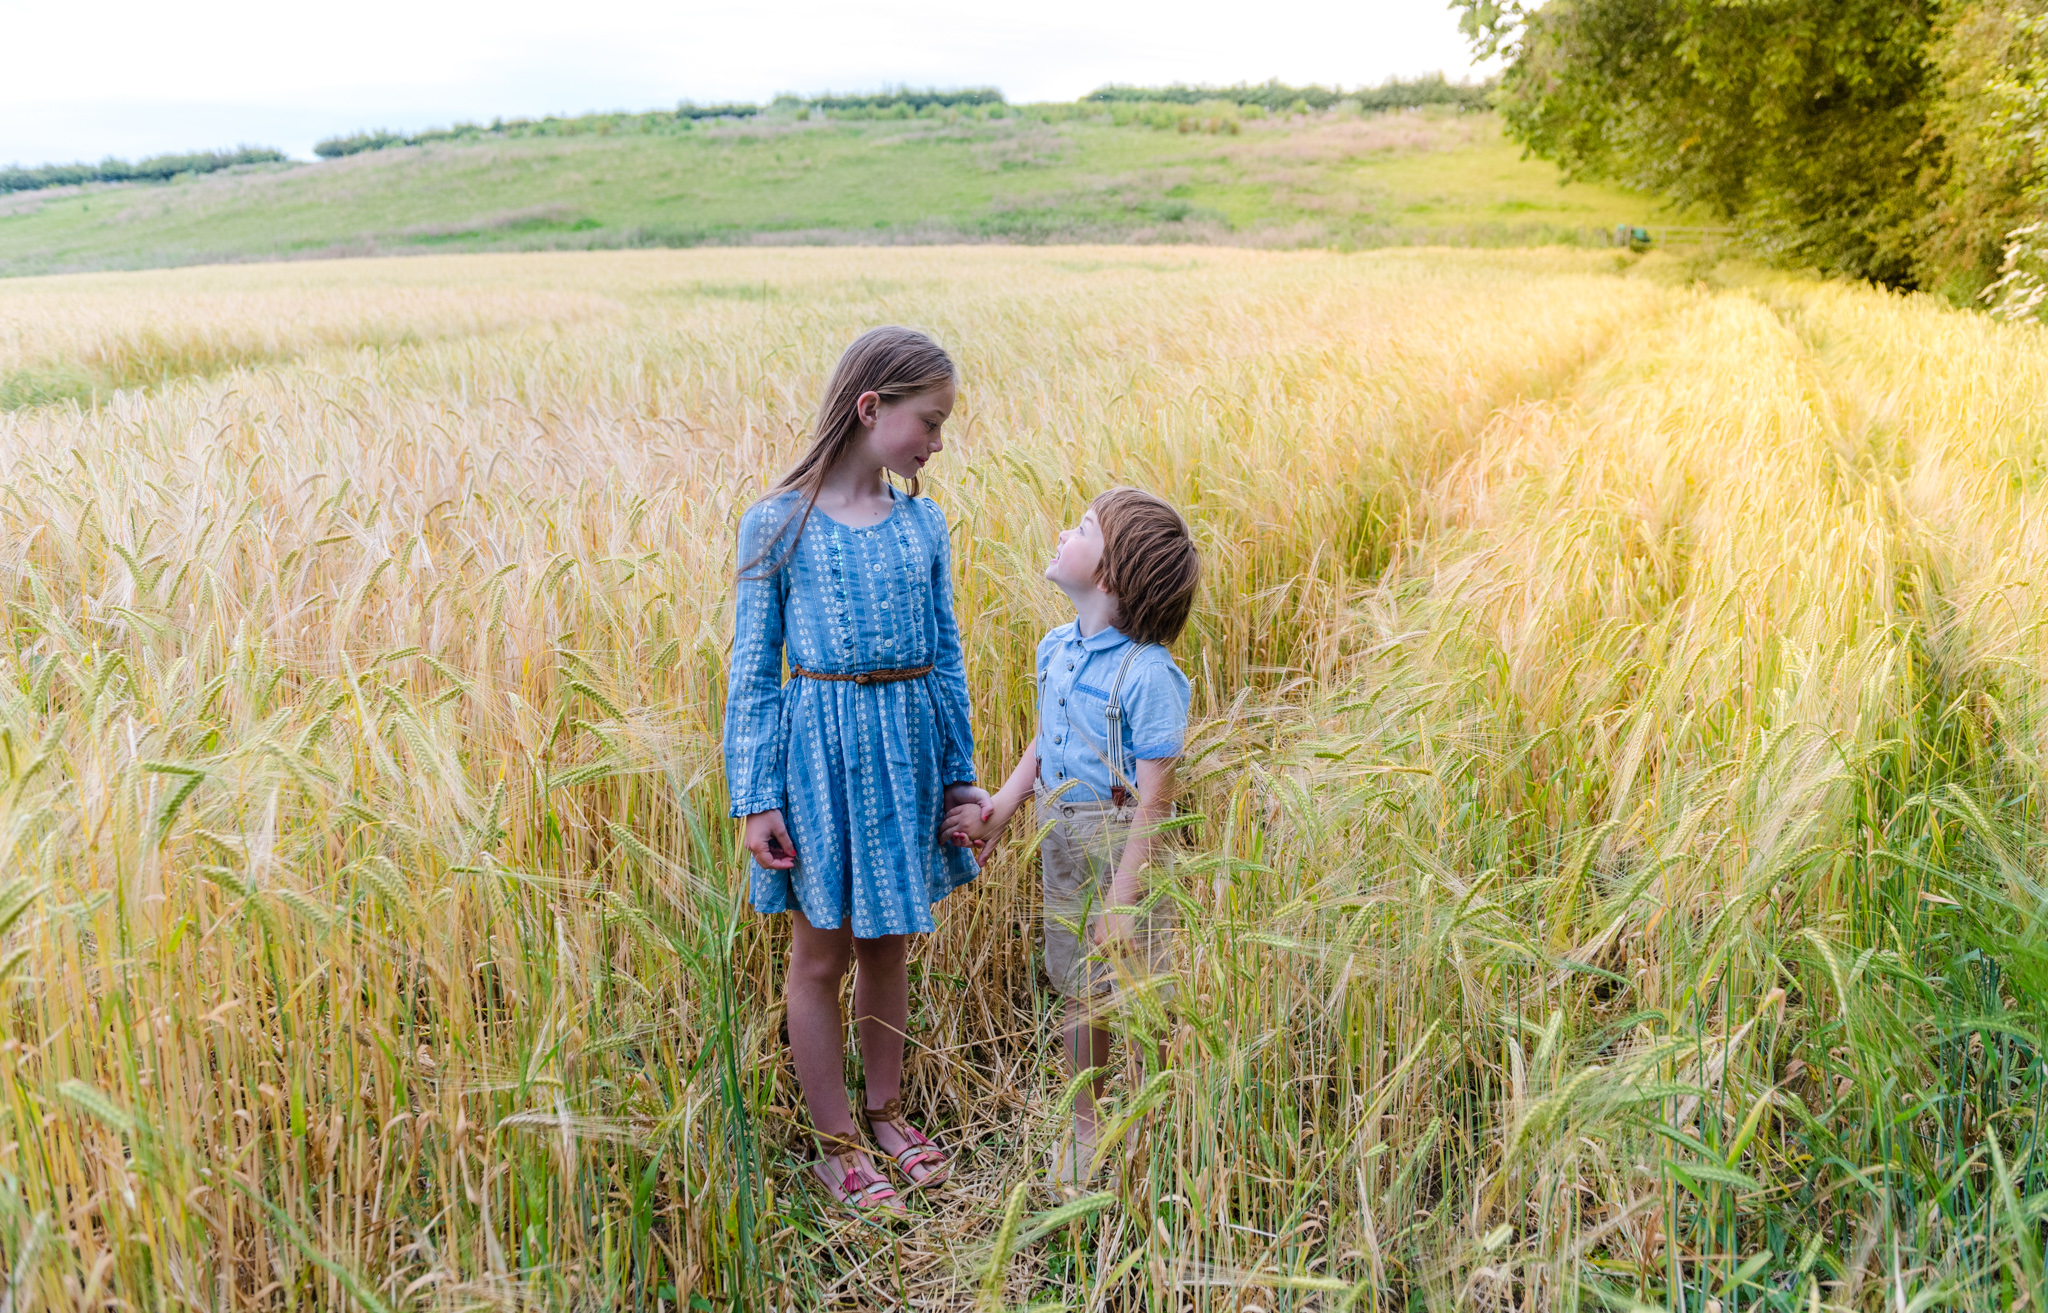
x=1155, y=704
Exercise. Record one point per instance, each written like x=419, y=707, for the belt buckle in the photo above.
x=862, y=678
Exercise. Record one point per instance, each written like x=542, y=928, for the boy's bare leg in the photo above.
x=1087, y=1045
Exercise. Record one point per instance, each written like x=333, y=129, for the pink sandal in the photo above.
x=861, y=1191
x=920, y=1160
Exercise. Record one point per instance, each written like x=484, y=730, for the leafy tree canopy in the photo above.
x=1804, y=122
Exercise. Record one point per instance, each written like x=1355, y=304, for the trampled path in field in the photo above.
x=1613, y=869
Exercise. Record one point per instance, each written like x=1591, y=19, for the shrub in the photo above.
x=886, y=103
x=1394, y=93
x=356, y=143
x=727, y=110
x=156, y=168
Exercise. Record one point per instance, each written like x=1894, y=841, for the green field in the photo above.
x=1420, y=177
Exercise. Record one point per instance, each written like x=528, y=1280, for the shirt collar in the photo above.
x=1102, y=639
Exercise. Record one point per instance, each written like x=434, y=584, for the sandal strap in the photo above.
x=892, y=1112
x=862, y=1187
x=838, y=1144
x=859, y=1191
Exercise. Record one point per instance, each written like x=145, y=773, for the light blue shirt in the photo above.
x=1074, y=675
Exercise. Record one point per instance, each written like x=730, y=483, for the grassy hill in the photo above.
x=1056, y=173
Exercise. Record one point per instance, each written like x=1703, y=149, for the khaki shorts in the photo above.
x=1078, y=858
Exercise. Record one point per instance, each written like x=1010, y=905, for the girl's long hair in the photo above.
x=897, y=363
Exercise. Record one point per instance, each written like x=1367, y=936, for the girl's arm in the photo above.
x=1155, y=807
x=753, y=703
x=949, y=663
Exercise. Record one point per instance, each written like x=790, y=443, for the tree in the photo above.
x=1988, y=239
x=1802, y=122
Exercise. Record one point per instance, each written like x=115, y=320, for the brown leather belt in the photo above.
x=865, y=676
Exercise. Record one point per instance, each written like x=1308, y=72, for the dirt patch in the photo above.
x=1033, y=146
x=537, y=218
x=1400, y=132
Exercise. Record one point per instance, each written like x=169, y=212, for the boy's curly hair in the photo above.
x=1149, y=564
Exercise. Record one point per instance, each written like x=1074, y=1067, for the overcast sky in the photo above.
x=133, y=77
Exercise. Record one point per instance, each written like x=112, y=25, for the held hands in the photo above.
x=767, y=838
x=977, y=825
x=965, y=804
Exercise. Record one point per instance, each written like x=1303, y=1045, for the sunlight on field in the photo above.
x=1619, y=777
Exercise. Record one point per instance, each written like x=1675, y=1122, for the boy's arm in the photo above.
x=997, y=811
x=1155, y=807
x=1156, y=710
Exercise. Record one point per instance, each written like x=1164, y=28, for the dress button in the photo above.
x=1063, y=702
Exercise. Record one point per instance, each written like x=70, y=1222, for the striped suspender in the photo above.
x=1114, y=713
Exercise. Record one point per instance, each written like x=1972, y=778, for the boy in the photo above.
x=1112, y=715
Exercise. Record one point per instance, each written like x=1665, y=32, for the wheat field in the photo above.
x=1615, y=873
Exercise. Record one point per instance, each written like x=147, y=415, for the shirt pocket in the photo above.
x=1087, y=726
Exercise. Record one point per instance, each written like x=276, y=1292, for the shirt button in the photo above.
x=1063, y=702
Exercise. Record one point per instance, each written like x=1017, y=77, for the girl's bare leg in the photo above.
x=881, y=1008
x=817, y=1031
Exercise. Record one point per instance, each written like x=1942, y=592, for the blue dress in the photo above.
x=859, y=771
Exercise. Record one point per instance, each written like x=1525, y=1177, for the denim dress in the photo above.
x=859, y=771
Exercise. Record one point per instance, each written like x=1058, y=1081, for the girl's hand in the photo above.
x=959, y=794
x=768, y=839
x=958, y=826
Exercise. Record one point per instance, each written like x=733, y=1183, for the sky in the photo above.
x=137, y=77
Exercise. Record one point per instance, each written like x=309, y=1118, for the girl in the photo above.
x=844, y=773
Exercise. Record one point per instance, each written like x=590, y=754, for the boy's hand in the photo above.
x=990, y=820
x=1115, y=932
